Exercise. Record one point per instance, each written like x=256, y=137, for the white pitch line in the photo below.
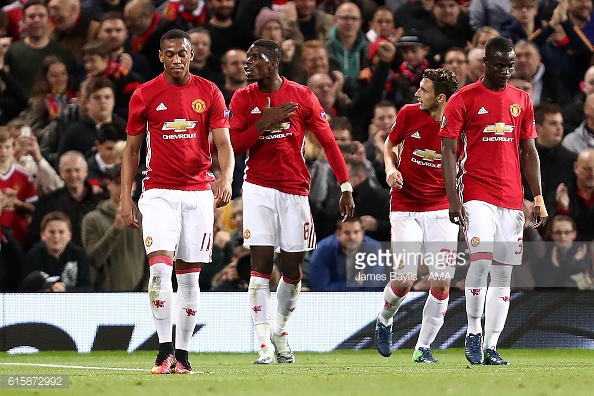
x=72, y=367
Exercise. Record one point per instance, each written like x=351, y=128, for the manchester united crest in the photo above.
x=149, y=241
x=474, y=242
x=515, y=109
x=198, y=105
x=247, y=234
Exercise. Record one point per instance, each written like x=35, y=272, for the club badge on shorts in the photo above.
x=474, y=242
x=149, y=241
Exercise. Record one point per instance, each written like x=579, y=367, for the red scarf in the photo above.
x=413, y=74
x=140, y=39
x=55, y=101
x=195, y=20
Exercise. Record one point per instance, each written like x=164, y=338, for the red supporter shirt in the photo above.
x=275, y=158
x=489, y=126
x=420, y=162
x=177, y=121
x=20, y=180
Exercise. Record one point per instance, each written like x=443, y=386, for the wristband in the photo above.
x=346, y=187
x=539, y=201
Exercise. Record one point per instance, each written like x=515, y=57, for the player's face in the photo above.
x=426, y=95
x=258, y=64
x=563, y=233
x=57, y=76
x=350, y=236
x=550, y=133
x=176, y=56
x=499, y=68
x=56, y=236
x=95, y=64
x=113, y=33
x=6, y=150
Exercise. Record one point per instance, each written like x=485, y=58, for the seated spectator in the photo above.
x=57, y=255
x=13, y=98
x=116, y=251
x=332, y=265
x=28, y=155
x=582, y=137
x=562, y=258
x=98, y=62
x=81, y=135
x=49, y=95
x=39, y=281
x=576, y=199
x=75, y=199
x=17, y=188
x=482, y=36
x=103, y=158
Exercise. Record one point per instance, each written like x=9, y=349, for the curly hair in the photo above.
x=444, y=81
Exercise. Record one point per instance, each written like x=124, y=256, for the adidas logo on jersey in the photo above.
x=161, y=107
x=482, y=110
x=416, y=135
x=256, y=110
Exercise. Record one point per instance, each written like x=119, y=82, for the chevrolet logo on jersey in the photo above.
x=499, y=129
x=427, y=158
x=277, y=131
x=179, y=125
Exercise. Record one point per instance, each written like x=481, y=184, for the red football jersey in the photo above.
x=177, y=121
x=275, y=158
x=420, y=162
x=20, y=180
x=489, y=126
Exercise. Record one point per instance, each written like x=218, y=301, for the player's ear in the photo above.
x=192, y=54
x=161, y=56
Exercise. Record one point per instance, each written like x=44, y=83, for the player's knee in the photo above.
x=440, y=292
x=399, y=288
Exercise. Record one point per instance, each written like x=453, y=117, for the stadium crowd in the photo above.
x=68, y=69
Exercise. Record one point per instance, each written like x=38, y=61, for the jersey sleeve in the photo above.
x=528, y=127
x=219, y=116
x=243, y=136
x=396, y=135
x=453, y=118
x=137, y=114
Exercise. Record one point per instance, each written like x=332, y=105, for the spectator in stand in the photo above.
x=24, y=57
x=225, y=34
x=17, y=189
x=384, y=117
x=232, y=66
x=547, y=85
x=556, y=162
x=28, y=155
x=482, y=36
x=187, y=14
x=524, y=21
x=116, y=251
x=455, y=60
x=13, y=98
x=573, y=113
x=81, y=135
x=414, y=51
x=204, y=64
x=13, y=20
x=114, y=34
x=235, y=276
x=492, y=12
x=71, y=28
x=367, y=8
x=582, y=137
x=57, y=255
x=314, y=24
x=576, y=199
x=75, y=199
x=103, y=158
x=97, y=9
x=522, y=82
x=580, y=13
x=39, y=281
x=314, y=59
x=49, y=95
x=414, y=14
x=476, y=64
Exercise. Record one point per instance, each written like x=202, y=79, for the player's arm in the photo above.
x=449, y=151
x=130, y=161
x=531, y=166
x=393, y=175
x=222, y=187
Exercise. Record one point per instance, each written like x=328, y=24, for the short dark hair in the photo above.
x=55, y=216
x=96, y=83
x=199, y=29
x=32, y=3
x=110, y=131
x=444, y=81
x=353, y=219
x=542, y=109
x=273, y=50
x=95, y=48
x=498, y=45
x=174, y=34
x=357, y=166
x=384, y=103
x=109, y=15
x=114, y=174
x=340, y=123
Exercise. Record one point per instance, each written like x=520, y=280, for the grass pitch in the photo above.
x=533, y=372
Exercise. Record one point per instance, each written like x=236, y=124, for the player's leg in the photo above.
x=480, y=234
x=507, y=253
x=160, y=227
x=195, y=247
x=407, y=236
x=297, y=235
x=441, y=240
x=260, y=227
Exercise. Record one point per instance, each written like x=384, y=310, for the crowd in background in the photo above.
x=69, y=67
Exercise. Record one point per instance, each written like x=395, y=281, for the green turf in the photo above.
x=533, y=372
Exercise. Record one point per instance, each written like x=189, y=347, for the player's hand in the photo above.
x=347, y=205
x=118, y=221
x=458, y=214
x=275, y=115
x=394, y=178
x=222, y=192
x=528, y=208
x=539, y=216
x=129, y=212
